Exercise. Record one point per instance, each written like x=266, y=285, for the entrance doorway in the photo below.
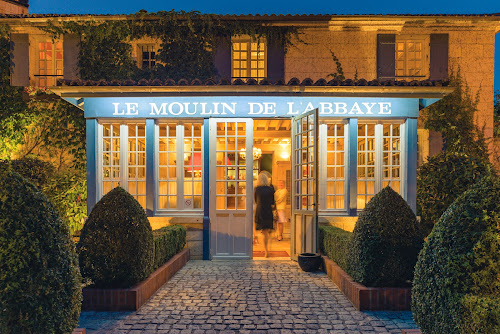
x=271, y=153
x=231, y=188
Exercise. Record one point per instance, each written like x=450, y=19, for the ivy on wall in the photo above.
x=453, y=117
x=188, y=40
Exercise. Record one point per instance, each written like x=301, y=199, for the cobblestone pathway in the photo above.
x=246, y=297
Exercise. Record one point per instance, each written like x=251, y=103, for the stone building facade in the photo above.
x=368, y=132
x=14, y=7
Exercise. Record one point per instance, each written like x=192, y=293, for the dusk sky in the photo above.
x=277, y=7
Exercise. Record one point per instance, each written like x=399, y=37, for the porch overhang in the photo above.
x=426, y=95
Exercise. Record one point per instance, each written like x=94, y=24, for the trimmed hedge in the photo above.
x=116, y=246
x=34, y=170
x=457, y=276
x=441, y=180
x=168, y=241
x=385, y=242
x=335, y=242
x=40, y=283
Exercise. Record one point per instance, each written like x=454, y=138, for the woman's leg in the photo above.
x=266, y=241
x=280, y=231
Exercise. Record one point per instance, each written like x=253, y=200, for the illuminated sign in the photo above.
x=248, y=106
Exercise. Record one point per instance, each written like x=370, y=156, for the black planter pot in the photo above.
x=309, y=261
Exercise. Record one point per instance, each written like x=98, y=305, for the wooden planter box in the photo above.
x=368, y=299
x=132, y=298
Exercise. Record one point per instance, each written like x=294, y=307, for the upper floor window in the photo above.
x=412, y=57
x=50, y=63
x=248, y=59
x=147, y=54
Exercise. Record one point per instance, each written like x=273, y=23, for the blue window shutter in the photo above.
x=386, y=53
x=439, y=57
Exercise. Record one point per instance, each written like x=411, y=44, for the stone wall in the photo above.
x=471, y=49
x=8, y=7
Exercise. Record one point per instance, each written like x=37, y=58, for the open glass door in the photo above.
x=231, y=188
x=304, y=184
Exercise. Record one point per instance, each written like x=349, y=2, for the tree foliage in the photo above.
x=457, y=276
x=453, y=117
x=441, y=180
x=40, y=284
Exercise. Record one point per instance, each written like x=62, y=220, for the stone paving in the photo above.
x=246, y=297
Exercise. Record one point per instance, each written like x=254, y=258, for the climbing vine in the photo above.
x=453, y=117
x=189, y=41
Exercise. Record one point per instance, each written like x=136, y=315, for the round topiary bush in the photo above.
x=40, y=282
x=385, y=242
x=457, y=276
x=34, y=170
x=441, y=180
x=116, y=243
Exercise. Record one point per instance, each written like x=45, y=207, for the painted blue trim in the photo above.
x=411, y=163
x=92, y=151
x=206, y=189
x=150, y=167
x=248, y=106
x=352, y=171
x=74, y=101
x=427, y=102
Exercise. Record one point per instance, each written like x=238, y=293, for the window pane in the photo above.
x=335, y=165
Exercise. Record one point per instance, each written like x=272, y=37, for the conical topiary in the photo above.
x=40, y=283
x=116, y=246
x=457, y=277
x=385, y=242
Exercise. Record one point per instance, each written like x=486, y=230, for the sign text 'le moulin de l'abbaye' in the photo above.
x=247, y=107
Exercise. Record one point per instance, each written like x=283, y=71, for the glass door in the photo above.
x=304, y=184
x=231, y=188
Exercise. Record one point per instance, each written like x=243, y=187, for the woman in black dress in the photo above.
x=264, y=200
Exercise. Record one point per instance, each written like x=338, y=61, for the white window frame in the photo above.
x=179, y=210
x=123, y=152
x=379, y=163
x=322, y=160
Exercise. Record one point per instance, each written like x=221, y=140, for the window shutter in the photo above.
x=439, y=57
x=222, y=59
x=275, y=62
x=386, y=53
x=19, y=59
x=70, y=56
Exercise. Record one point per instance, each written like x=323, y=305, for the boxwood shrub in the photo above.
x=441, y=180
x=385, y=242
x=116, y=246
x=168, y=241
x=457, y=286
x=40, y=283
x=335, y=242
